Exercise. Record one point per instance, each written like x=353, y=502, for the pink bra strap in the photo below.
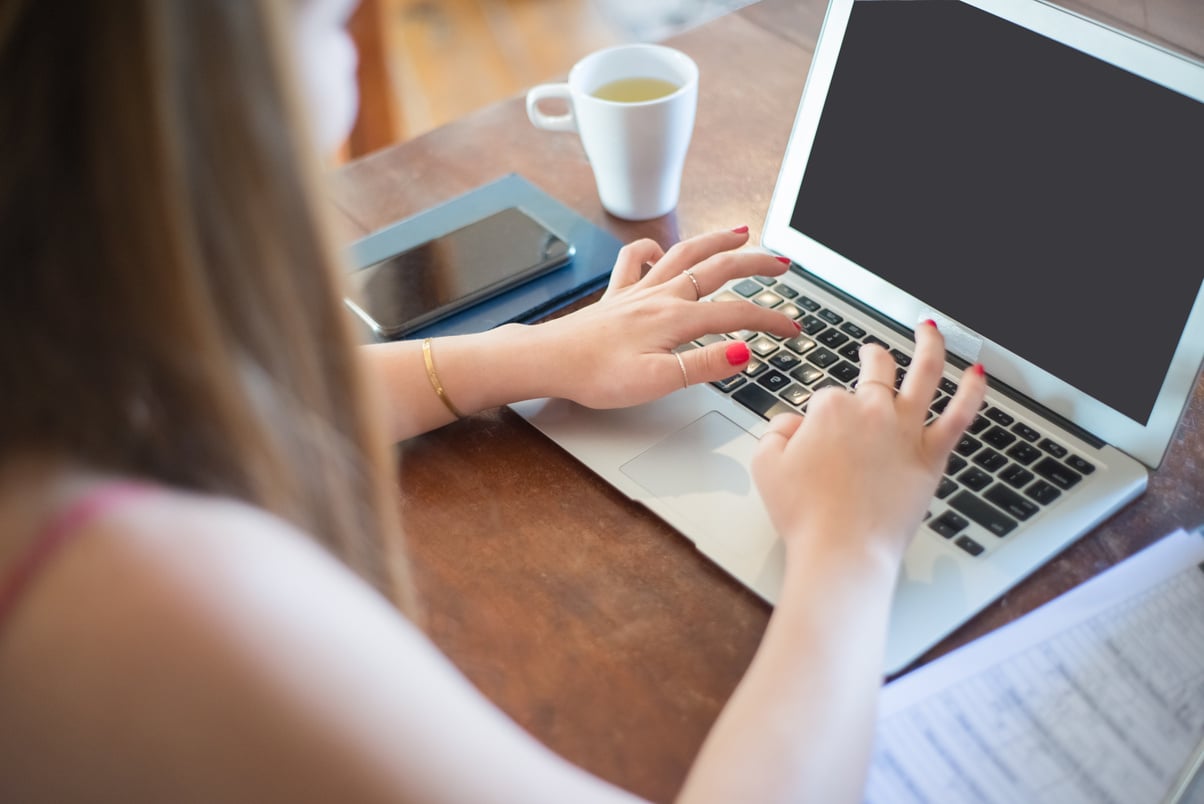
x=58, y=532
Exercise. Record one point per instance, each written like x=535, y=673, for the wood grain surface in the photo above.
x=588, y=620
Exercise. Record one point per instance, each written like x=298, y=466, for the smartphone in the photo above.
x=418, y=287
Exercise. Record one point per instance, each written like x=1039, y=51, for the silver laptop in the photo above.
x=1031, y=180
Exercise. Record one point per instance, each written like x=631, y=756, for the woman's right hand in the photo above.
x=858, y=472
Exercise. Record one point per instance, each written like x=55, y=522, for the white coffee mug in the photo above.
x=637, y=150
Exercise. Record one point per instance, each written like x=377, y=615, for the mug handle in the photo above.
x=558, y=122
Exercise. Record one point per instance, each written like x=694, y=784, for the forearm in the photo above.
x=799, y=727
x=477, y=372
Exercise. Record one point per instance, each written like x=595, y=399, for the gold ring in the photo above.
x=887, y=386
x=685, y=379
x=698, y=290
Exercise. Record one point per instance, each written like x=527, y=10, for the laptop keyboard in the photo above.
x=1002, y=472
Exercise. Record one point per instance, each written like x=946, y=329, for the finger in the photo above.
x=713, y=272
x=877, y=370
x=775, y=440
x=716, y=361
x=946, y=429
x=731, y=316
x=924, y=373
x=629, y=265
x=692, y=251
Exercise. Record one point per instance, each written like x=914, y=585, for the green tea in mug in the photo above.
x=635, y=90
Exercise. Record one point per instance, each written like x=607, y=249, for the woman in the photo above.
x=194, y=482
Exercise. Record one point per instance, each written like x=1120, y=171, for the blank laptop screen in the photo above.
x=1048, y=200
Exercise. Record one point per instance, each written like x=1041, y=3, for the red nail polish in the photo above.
x=740, y=230
x=797, y=326
x=783, y=260
x=737, y=353
x=930, y=323
x=979, y=370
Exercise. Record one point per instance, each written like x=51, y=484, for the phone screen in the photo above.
x=430, y=281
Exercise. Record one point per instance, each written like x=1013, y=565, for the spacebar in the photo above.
x=760, y=401
x=983, y=513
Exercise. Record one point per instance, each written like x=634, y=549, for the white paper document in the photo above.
x=1098, y=696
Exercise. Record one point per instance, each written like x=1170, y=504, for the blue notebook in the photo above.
x=589, y=269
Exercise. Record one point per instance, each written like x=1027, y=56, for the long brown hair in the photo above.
x=170, y=305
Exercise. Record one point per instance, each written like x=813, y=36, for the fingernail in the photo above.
x=797, y=326
x=783, y=260
x=930, y=323
x=737, y=353
x=740, y=230
x=979, y=370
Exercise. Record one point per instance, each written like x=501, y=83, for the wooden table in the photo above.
x=593, y=624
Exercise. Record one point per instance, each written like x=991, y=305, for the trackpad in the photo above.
x=702, y=473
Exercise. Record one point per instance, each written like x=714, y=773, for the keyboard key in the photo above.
x=811, y=325
x=726, y=296
x=784, y=361
x=748, y=288
x=899, y=375
x=807, y=304
x=945, y=488
x=821, y=357
x=784, y=290
x=948, y=386
x=1024, y=453
x=949, y=524
x=967, y=446
x=1016, y=476
x=730, y=384
x=997, y=415
x=800, y=344
x=969, y=545
x=754, y=368
x=974, y=479
x=879, y=341
x=1011, y=502
x=774, y=380
x=1042, y=492
x=844, y=371
x=828, y=383
x=767, y=298
x=767, y=281
x=998, y=437
x=1080, y=465
x=851, y=351
x=790, y=310
x=807, y=374
x=829, y=316
x=762, y=347
x=744, y=334
x=955, y=464
x=1057, y=473
x=978, y=425
x=938, y=407
x=1053, y=448
x=990, y=460
x=982, y=512
x=832, y=338
x=796, y=395
x=901, y=358
x=850, y=328
x=1024, y=431
x=760, y=401
x=707, y=340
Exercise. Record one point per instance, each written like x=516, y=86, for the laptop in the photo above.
x=1031, y=180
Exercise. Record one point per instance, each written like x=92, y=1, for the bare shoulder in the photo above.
x=185, y=643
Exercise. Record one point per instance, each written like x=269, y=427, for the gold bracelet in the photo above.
x=433, y=376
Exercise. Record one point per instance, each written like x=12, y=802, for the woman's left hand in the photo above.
x=620, y=351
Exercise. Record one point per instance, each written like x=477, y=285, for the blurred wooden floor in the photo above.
x=429, y=62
